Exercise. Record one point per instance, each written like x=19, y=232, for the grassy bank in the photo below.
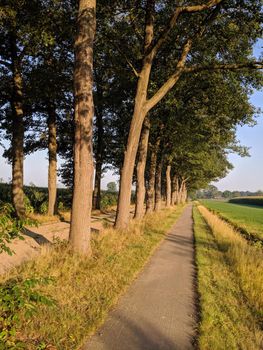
x=248, y=218
x=86, y=289
x=230, y=285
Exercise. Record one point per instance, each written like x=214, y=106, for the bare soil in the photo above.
x=35, y=238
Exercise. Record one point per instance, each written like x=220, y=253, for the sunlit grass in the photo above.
x=248, y=217
x=86, y=289
x=230, y=284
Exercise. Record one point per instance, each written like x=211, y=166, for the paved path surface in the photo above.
x=157, y=312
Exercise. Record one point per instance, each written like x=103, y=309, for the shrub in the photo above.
x=29, y=208
x=17, y=295
x=36, y=197
x=61, y=206
x=10, y=227
x=248, y=200
x=43, y=208
x=108, y=200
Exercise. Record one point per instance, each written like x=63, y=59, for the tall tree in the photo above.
x=140, y=170
x=20, y=38
x=188, y=25
x=83, y=154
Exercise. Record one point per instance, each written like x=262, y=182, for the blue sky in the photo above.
x=246, y=175
x=248, y=172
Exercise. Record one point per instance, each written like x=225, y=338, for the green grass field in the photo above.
x=247, y=217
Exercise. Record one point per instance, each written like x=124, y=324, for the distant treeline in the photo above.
x=36, y=198
x=213, y=192
x=248, y=200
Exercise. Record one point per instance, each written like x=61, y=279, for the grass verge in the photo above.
x=247, y=218
x=229, y=285
x=86, y=289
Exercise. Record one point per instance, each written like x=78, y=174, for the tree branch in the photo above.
x=181, y=63
x=5, y=63
x=168, y=85
x=135, y=28
x=226, y=66
x=137, y=74
x=178, y=11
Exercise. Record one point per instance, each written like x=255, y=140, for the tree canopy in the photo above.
x=170, y=83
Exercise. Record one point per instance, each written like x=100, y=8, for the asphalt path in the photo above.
x=158, y=310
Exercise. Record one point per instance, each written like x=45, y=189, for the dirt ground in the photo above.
x=37, y=237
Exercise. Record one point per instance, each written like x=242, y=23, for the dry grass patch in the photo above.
x=230, y=284
x=86, y=289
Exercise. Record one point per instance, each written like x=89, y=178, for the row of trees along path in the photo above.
x=169, y=84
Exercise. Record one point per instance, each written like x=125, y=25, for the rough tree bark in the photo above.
x=139, y=113
x=97, y=185
x=180, y=197
x=84, y=110
x=150, y=193
x=179, y=193
x=140, y=185
x=184, y=193
x=158, y=185
x=174, y=189
x=99, y=162
x=52, y=158
x=17, y=131
x=168, y=187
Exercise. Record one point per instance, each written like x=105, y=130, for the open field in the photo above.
x=84, y=289
x=247, y=217
x=230, y=286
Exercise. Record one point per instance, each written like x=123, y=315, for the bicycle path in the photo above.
x=158, y=310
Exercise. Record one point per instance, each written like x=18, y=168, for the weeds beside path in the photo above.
x=158, y=310
x=246, y=218
x=85, y=289
x=230, y=286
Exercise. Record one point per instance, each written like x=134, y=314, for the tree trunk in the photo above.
x=168, y=186
x=84, y=110
x=150, y=198
x=140, y=186
x=180, y=192
x=139, y=113
x=99, y=162
x=97, y=186
x=17, y=132
x=52, y=157
x=174, y=189
x=99, y=153
x=158, y=186
x=184, y=193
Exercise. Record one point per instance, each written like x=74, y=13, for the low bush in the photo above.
x=108, y=199
x=36, y=198
x=247, y=200
x=17, y=295
x=10, y=227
